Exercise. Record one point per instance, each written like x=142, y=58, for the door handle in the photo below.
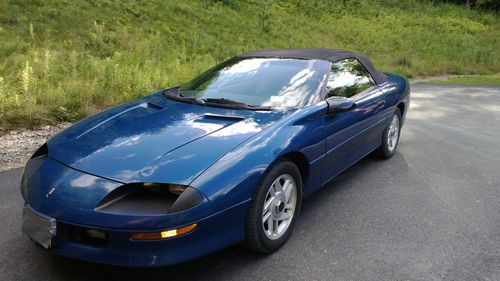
x=381, y=103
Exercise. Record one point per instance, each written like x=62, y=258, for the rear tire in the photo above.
x=274, y=208
x=390, y=137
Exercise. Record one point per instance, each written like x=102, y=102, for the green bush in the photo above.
x=63, y=60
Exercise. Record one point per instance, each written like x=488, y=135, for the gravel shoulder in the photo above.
x=16, y=146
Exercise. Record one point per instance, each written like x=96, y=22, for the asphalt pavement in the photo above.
x=432, y=212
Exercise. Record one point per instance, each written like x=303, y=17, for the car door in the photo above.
x=352, y=134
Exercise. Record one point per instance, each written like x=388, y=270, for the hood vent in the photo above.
x=152, y=106
x=224, y=117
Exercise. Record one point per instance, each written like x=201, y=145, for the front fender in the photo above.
x=233, y=178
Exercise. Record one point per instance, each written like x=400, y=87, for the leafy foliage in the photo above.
x=63, y=60
x=493, y=5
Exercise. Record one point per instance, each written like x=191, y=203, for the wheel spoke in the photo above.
x=270, y=225
x=272, y=190
x=267, y=204
x=284, y=216
x=278, y=187
x=288, y=188
x=266, y=216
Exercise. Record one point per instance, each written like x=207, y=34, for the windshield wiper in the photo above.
x=175, y=94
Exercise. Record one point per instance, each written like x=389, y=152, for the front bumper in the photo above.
x=70, y=197
x=214, y=232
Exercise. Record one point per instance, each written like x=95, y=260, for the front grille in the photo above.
x=83, y=235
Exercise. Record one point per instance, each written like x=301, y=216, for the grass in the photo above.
x=64, y=60
x=475, y=80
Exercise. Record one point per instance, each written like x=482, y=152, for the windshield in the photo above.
x=265, y=82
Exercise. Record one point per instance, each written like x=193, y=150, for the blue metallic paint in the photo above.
x=215, y=232
x=144, y=143
x=160, y=140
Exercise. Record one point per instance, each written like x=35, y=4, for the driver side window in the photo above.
x=347, y=78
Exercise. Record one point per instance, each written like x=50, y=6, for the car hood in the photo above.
x=155, y=139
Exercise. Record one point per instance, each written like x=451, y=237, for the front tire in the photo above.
x=390, y=137
x=274, y=208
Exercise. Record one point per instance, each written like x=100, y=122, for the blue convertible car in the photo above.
x=223, y=159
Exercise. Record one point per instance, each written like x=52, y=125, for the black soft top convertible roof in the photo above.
x=332, y=55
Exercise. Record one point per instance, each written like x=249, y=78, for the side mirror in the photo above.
x=337, y=104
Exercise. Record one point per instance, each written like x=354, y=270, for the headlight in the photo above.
x=36, y=160
x=32, y=166
x=149, y=199
x=187, y=200
x=41, y=151
x=176, y=189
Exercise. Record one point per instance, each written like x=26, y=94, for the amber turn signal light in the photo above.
x=164, y=234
